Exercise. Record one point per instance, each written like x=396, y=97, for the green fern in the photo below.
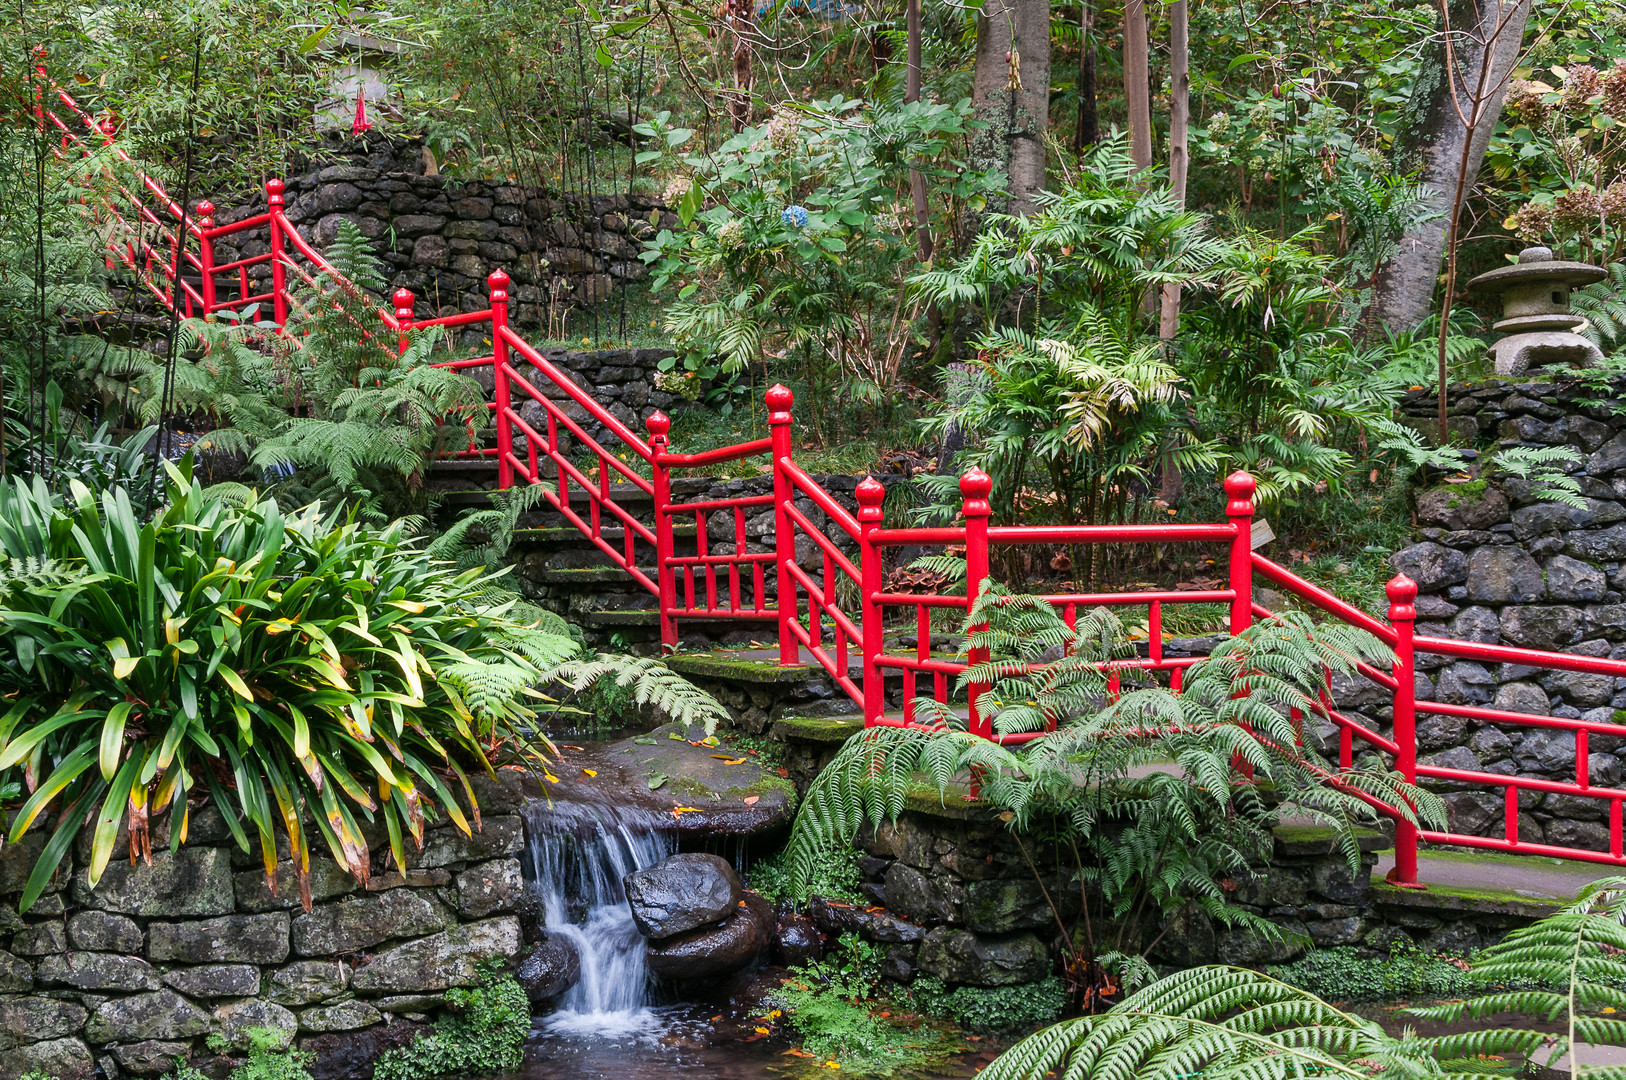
x=1604, y=305
x=651, y=683
x=1543, y=467
x=1227, y=1023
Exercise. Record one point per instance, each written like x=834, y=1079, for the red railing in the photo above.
x=820, y=574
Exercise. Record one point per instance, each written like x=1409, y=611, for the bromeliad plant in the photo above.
x=303, y=669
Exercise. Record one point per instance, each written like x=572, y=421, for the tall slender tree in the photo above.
x=1137, y=82
x=1011, y=94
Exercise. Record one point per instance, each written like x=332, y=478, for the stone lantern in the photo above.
x=1536, y=322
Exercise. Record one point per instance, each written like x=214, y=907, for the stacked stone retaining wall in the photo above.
x=182, y=957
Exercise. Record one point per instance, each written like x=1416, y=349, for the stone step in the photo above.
x=568, y=536
x=591, y=575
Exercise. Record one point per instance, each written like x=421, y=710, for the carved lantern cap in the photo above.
x=1536, y=290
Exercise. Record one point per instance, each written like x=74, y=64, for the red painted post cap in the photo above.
x=1402, y=593
x=779, y=399
x=658, y=423
x=274, y=189
x=499, y=284
x=871, y=494
x=1239, y=488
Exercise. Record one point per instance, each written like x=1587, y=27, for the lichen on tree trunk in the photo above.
x=1011, y=95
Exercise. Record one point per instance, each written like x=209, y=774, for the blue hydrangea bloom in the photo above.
x=795, y=216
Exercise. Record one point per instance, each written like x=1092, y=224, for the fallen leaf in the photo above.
x=679, y=810
x=751, y=800
x=644, y=742
x=726, y=760
x=784, y=774
x=760, y=1031
x=552, y=779
x=656, y=781
x=675, y=735
x=569, y=747
x=589, y=772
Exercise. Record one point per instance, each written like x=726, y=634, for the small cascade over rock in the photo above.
x=578, y=854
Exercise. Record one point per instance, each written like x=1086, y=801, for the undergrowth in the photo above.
x=483, y=1031
x=1342, y=973
x=834, y=878
x=832, y=1007
x=996, y=1009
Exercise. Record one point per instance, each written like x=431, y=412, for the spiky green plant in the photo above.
x=1226, y=1023
x=334, y=673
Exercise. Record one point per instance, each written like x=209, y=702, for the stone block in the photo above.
x=215, y=980
x=1003, y=906
x=490, y=888
x=959, y=957
x=16, y=974
x=345, y=1016
x=1248, y=947
x=161, y=1014
x=501, y=835
x=360, y=922
x=327, y=879
x=1431, y=565
x=1572, y=579
x=41, y=939
x=1542, y=626
x=247, y=939
x=305, y=982
x=1504, y=575
x=60, y=1059
x=235, y=1020
x=100, y=931
x=447, y=959
x=97, y=971
x=150, y=1057
x=34, y=1019
x=190, y=883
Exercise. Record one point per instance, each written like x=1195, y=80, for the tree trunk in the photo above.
x=1137, y=83
x=1089, y=119
x=1011, y=94
x=739, y=104
x=1448, y=124
x=911, y=92
x=1179, y=158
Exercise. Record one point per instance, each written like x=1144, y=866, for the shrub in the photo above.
x=484, y=1032
x=270, y=1058
x=306, y=670
x=830, y=1007
x=992, y=1009
x=835, y=877
x=1343, y=974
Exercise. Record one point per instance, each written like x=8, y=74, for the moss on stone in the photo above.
x=825, y=729
x=736, y=669
x=1321, y=839
x=1461, y=899
x=690, y=788
x=765, y=785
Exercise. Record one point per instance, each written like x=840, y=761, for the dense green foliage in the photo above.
x=1345, y=973
x=996, y=1009
x=483, y=1031
x=1231, y=1023
x=304, y=651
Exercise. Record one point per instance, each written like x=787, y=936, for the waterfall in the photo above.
x=578, y=854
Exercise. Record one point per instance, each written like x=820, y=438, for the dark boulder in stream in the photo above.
x=684, y=892
x=716, y=950
x=551, y=968
x=796, y=941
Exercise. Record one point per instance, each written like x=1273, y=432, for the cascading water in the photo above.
x=579, y=853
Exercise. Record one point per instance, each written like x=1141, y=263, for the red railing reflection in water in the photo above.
x=820, y=581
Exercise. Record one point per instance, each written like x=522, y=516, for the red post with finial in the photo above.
x=1239, y=489
x=658, y=424
x=206, y=256
x=498, y=281
x=404, y=301
x=1402, y=593
x=279, y=272
x=870, y=493
x=975, y=487
x=780, y=399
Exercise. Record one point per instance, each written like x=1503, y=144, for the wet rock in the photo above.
x=961, y=957
x=1572, y=579
x=796, y=941
x=16, y=974
x=682, y=893
x=914, y=895
x=835, y=919
x=1521, y=697
x=498, y=836
x=1449, y=507
x=326, y=880
x=215, y=980
x=41, y=939
x=189, y=883
x=151, y=1057
x=552, y=967
x=162, y=1014
x=1249, y=947
x=1503, y=575
x=1330, y=932
x=450, y=958
x=1001, y=906
x=340, y=1056
x=99, y=931
x=1543, y=626
x=247, y=939
x=703, y=953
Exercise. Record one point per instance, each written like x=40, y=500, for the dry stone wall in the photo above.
x=143, y=969
x=1497, y=563
x=440, y=236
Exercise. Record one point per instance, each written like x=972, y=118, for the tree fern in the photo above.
x=1226, y=1023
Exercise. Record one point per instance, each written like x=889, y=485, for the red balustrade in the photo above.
x=820, y=573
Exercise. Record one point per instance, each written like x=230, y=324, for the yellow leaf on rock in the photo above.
x=589, y=772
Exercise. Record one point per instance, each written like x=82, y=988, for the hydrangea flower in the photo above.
x=731, y=237
x=794, y=216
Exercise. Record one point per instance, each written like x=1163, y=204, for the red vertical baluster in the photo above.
x=734, y=567
x=1614, y=828
x=658, y=424
x=1154, y=632
x=975, y=487
x=206, y=255
x=1239, y=488
x=404, y=303
x=1583, y=774
x=779, y=401
x=1510, y=814
x=870, y=494
x=702, y=544
x=1402, y=593
x=279, y=272
x=498, y=283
